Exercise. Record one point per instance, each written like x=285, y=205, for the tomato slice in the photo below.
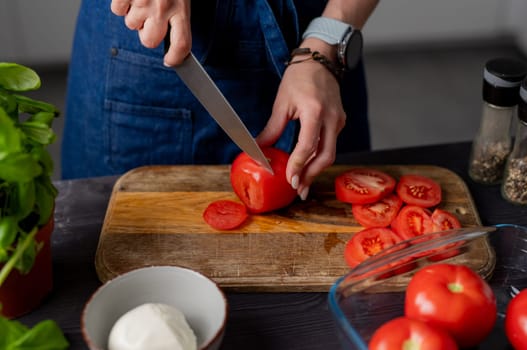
x=363, y=185
x=412, y=221
x=406, y=333
x=419, y=190
x=444, y=220
x=378, y=214
x=368, y=242
x=225, y=214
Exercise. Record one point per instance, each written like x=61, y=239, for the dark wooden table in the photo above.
x=256, y=320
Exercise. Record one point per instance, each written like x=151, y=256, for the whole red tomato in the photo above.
x=404, y=333
x=516, y=321
x=454, y=298
x=256, y=187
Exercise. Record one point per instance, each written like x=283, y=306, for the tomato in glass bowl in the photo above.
x=359, y=304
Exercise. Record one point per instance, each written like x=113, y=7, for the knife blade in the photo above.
x=209, y=95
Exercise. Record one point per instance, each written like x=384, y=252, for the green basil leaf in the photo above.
x=45, y=335
x=45, y=160
x=46, y=194
x=4, y=256
x=15, y=77
x=43, y=117
x=19, y=167
x=25, y=198
x=31, y=106
x=5, y=192
x=10, y=331
x=10, y=140
x=8, y=231
x=8, y=103
x=38, y=132
x=27, y=259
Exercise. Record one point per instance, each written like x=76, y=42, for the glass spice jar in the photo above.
x=491, y=146
x=514, y=186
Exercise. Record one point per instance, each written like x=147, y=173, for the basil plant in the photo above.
x=27, y=194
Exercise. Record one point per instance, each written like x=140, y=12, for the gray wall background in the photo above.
x=40, y=31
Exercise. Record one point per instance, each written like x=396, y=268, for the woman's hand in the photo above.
x=311, y=94
x=151, y=19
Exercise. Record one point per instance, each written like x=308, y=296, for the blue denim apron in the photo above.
x=125, y=109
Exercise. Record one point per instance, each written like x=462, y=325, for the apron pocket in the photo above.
x=141, y=79
x=148, y=117
x=143, y=135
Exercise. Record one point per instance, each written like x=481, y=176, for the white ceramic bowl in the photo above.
x=196, y=296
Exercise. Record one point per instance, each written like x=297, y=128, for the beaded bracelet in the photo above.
x=316, y=56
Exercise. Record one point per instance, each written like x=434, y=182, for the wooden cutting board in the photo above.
x=154, y=217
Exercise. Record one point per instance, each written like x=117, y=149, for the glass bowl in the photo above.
x=373, y=292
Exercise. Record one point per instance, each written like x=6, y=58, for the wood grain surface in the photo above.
x=154, y=217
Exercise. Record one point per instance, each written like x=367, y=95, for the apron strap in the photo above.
x=275, y=43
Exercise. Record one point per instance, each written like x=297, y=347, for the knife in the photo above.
x=205, y=90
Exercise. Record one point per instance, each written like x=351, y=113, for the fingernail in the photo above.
x=294, y=182
x=304, y=193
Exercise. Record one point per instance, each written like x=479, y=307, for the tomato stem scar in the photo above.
x=410, y=344
x=455, y=287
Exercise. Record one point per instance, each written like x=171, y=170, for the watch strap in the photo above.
x=326, y=29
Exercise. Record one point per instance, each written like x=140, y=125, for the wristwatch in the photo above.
x=334, y=32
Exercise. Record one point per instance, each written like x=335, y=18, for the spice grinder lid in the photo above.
x=502, y=78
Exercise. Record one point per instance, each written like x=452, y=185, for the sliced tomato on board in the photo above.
x=419, y=190
x=412, y=221
x=442, y=252
x=225, y=214
x=363, y=185
x=369, y=242
x=378, y=214
x=444, y=220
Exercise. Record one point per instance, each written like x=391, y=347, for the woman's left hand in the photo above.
x=309, y=93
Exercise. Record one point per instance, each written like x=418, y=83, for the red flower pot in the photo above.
x=20, y=294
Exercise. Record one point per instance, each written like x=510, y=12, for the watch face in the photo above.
x=350, y=49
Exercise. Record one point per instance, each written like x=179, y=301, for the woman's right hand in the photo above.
x=151, y=19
